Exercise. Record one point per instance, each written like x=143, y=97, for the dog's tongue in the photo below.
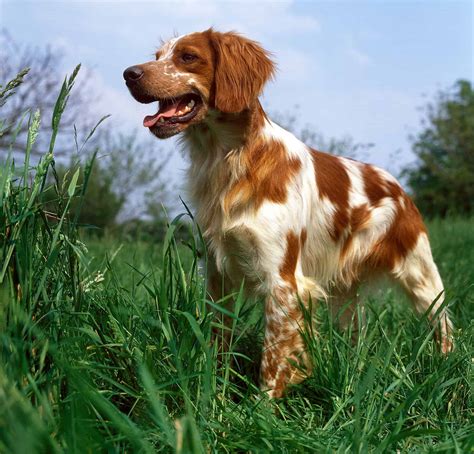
x=167, y=111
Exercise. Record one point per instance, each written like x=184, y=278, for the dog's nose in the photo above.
x=133, y=74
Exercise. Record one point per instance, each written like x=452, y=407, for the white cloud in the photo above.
x=327, y=74
x=358, y=56
x=64, y=46
x=377, y=115
x=295, y=66
x=141, y=21
x=124, y=110
x=352, y=48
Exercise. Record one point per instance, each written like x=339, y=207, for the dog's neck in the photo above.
x=223, y=133
x=217, y=148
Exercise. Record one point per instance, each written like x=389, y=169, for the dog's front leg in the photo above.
x=284, y=360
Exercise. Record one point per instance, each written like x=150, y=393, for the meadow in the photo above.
x=105, y=344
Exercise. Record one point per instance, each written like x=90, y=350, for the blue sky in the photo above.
x=358, y=68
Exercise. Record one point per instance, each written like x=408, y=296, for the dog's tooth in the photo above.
x=191, y=103
x=162, y=120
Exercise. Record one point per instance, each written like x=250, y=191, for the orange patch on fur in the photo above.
x=400, y=239
x=288, y=267
x=333, y=182
x=267, y=171
x=376, y=187
x=403, y=233
x=303, y=237
x=283, y=342
x=242, y=67
x=360, y=216
x=373, y=184
x=199, y=43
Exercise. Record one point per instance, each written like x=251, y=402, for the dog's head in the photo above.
x=198, y=72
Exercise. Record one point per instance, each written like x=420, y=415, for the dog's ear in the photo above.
x=241, y=69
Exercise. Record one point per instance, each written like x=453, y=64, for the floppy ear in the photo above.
x=242, y=67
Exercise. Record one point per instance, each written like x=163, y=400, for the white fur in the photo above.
x=251, y=243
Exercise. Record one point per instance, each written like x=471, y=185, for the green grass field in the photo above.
x=106, y=347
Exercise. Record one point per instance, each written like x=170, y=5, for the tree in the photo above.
x=128, y=174
x=100, y=206
x=135, y=170
x=442, y=179
x=122, y=184
x=39, y=90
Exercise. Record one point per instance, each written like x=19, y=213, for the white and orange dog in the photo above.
x=292, y=221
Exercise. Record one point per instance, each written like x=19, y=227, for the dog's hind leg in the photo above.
x=419, y=276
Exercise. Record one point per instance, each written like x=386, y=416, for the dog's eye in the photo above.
x=187, y=58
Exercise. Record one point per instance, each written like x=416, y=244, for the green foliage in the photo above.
x=108, y=349
x=99, y=208
x=8, y=90
x=134, y=172
x=127, y=181
x=442, y=181
x=125, y=176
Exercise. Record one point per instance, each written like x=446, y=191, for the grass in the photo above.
x=106, y=347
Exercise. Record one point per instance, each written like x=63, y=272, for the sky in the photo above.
x=358, y=68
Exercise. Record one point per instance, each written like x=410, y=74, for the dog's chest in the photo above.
x=213, y=171
x=208, y=185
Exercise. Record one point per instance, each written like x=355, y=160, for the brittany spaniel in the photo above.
x=292, y=222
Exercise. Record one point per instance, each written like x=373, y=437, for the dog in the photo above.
x=293, y=223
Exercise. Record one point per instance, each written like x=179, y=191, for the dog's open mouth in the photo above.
x=174, y=110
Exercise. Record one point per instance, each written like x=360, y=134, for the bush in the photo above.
x=442, y=180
